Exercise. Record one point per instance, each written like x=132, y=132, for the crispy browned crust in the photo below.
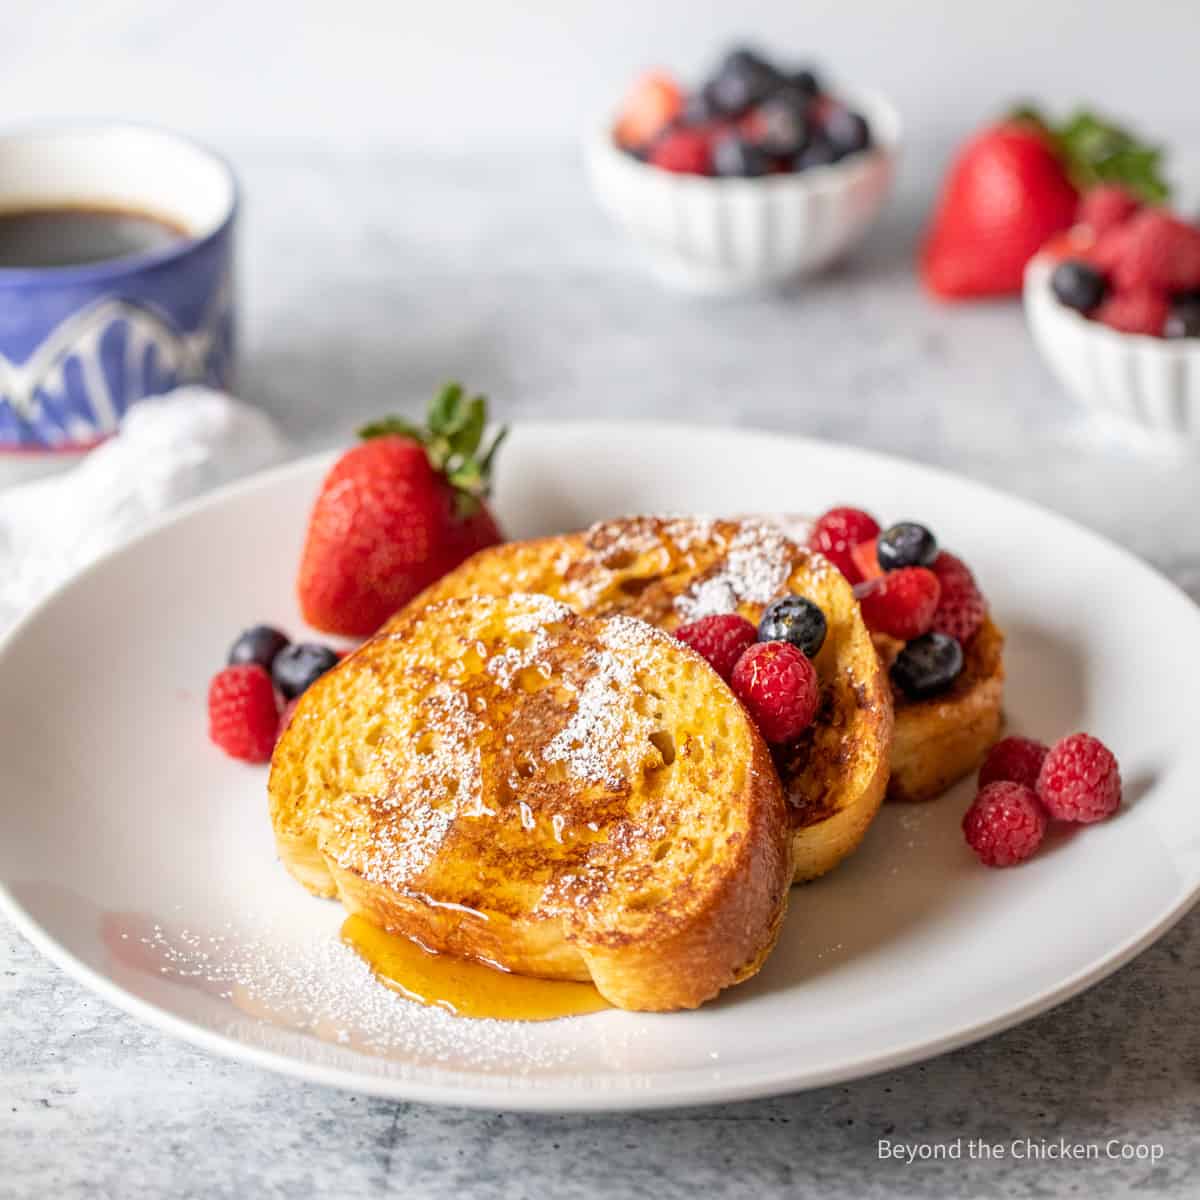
x=942, y=740
x=663, y=881
x=836, y=778
x=822, y=836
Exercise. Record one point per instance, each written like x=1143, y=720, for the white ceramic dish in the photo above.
x=723, y=236
x=130, y=848
x=1148, y=381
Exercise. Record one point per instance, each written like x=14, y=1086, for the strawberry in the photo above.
x=864, y=557
x=1014, y=186
x=396, y=513
x=654, y=101
x=1007, y=192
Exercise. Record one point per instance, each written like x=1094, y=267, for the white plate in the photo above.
x=130, y=848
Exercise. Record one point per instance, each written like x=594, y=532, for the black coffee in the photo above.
x=72, y=235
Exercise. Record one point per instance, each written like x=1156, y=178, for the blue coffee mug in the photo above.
x=80, y=344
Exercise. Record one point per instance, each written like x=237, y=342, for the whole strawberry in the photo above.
x=395, y=514
x=1007, y=193
x=1013, y=187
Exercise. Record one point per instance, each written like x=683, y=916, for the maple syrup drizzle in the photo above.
x=462, y=987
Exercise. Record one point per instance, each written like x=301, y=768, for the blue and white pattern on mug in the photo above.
x=74, y=357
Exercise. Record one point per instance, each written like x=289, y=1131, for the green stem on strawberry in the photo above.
x=1096, y=151
x=452, y=440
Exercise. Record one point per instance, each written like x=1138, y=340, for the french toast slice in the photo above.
x=670, y=570
x=940, y=740
x=944, y=738
x=567, y=797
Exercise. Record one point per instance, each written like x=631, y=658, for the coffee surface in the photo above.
x=67, y=236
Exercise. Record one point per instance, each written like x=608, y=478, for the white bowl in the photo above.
x=1150, y=381
x=736, y=235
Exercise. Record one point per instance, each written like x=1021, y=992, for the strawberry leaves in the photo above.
x=453, y=440
x=1097, y=151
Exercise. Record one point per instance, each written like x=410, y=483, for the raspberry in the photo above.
x=1005, y=824
x=243, y=717
x=1013, y=760
x=1160, y=253
x=1142, y=311
x=720, y=639
x=1108, y=248
x=961, y=606
x=684, y=151
x=901, y=603
x=1105, y=207
x=1080, y=780
x=779, y=688
x=837, y=532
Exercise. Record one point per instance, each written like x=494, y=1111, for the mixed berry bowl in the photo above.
x=1114, y=308
x=758, y=178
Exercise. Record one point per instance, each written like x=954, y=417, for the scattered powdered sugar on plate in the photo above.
x=757, y=565
x=319, y=986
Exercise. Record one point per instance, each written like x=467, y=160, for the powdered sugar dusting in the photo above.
x=389, y=841
x=794, y=525
x=756, y=569
x=540, y=612
x=606, y=728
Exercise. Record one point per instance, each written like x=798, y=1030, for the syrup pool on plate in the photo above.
x=464, y=988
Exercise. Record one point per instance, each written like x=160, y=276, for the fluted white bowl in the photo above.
x=1152, y=382
x=735, y=235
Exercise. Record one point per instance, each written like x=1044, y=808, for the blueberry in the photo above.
x=805, y=81
x=783, y=124
x=699, y=108
x=735, y=156
x=927, y=665
x=743, y=79
x=818, y=153
x=298, y=667
x=1078, y=285
x=906, y=545
x=847, y=131
x=794, y=619
x=259, y=644
x=1183, y=321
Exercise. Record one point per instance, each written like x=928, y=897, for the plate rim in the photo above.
x=673, y=1090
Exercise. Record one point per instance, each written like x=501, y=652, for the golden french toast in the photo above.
x=568, y=797
x=670, y=570
x=940, y=740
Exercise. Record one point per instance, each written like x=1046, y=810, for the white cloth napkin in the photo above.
x=167, y=450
